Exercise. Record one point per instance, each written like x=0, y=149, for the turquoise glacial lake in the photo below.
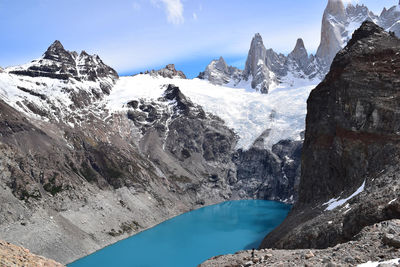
x=193, y=237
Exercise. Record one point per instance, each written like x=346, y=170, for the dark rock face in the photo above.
x=352, y=124
x=40, y=163
x=59, y=63
x=352, y=137
x=192, y=146
x=271, y=175
x=168, y=72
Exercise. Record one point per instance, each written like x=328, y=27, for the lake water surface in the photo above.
x=193, y=237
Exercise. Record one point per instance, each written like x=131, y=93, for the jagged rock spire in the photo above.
x=256, y=66
x=331, y=34
x=256, y=54
x=336, y=8
x=57, y=53
x=300, y=55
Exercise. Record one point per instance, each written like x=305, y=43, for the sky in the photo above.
x=136, y=35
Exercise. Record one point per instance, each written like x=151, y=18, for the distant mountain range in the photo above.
x=265, y=68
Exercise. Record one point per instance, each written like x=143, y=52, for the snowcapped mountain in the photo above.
x=60, y=86
x=219, y=73
x=265, y=68
x=76, y=137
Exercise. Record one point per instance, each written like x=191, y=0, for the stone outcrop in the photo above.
x=351, y=146
x=168, y=72
x=269, y=174
x=11, y=255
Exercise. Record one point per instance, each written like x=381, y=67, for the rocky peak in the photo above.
x=256, y=66
x=256, y=56
x=332, y=31
x=389, y=17
x=58, y=63
x=218, y=72
x=168, y=72
x=299, y=54
x=56, y=52
x=336, y=8
x=221, y=65
x=366, y=30
x=91, y=68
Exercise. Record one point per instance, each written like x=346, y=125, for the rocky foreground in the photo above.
x=377, y=243
x=14, y=256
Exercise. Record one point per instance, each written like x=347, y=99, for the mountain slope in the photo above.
x=95, y=158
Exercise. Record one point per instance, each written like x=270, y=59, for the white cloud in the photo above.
x=194, y=16
x=174, y=10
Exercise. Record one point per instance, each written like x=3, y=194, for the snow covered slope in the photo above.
x=250, y=114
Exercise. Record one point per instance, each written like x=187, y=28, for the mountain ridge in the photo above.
x=265, y=68
x=96, y=166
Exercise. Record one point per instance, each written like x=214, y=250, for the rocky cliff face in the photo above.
x=350, y=158
x=269, y=174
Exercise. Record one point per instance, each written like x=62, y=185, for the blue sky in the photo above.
x=135, y=35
